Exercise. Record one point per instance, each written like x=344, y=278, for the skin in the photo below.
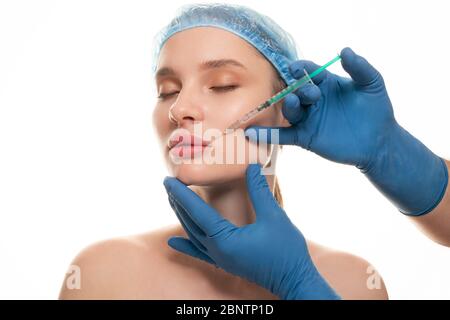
x=436, y=224
x=143, y=266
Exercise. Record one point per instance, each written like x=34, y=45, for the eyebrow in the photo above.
x=209, y=64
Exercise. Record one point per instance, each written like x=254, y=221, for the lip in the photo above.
x=186, y=145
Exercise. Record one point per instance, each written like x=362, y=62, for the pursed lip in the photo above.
x=183, y=139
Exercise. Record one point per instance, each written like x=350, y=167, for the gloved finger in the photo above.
x=297, y=70
x=292, y=109
x=187, y=247
x=262, y=198
x=204, y=216
x=361, y=71
x=308, y=94
x=193, y=231
x=185, y=219
x=272, y=135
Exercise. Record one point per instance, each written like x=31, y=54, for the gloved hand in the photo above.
x=351, y=121
x=270, y=252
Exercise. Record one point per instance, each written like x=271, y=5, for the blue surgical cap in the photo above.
x=259, y=30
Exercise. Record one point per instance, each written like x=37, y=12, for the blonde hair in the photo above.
x=277, y=192
x=278, y=84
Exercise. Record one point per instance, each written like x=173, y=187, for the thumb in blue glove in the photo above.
x=270, y=252
x=351, y=121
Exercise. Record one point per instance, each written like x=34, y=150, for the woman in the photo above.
x=214, y=63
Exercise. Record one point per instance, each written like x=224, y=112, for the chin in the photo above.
x=208, y=174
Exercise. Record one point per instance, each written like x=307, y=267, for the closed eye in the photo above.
x=167, y=95
x=219, y=89
x=224, y=88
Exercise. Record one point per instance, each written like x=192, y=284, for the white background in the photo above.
x=79, y=161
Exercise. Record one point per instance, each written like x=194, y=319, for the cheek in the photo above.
x=228, y=108
x=225, y=110
x=270, y=117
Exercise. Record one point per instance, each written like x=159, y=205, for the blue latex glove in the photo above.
x=270, y=252
x=351, y=121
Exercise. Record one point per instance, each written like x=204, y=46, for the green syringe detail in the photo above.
x=283, y=93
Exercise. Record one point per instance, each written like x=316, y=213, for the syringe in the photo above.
x=280, y=95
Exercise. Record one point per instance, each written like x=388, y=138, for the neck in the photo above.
x=231, y=200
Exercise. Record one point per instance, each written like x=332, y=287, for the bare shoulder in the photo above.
x=116, y=268
x=351, y=276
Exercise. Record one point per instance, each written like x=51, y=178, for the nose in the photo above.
x=185, y=112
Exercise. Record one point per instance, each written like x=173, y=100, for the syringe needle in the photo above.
x=281, y=94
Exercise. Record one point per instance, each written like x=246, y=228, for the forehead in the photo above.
x=195, y=45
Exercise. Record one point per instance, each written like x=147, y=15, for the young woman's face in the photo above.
x=206, y=79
